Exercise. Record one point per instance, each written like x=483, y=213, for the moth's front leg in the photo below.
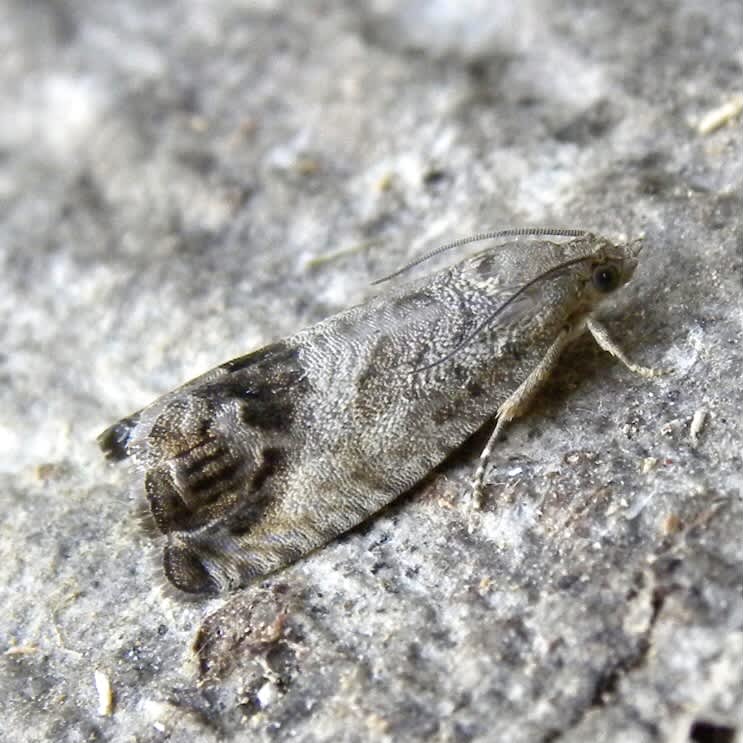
x=517, y=404
x=602, y=337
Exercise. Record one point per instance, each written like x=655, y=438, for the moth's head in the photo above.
x=612, y=266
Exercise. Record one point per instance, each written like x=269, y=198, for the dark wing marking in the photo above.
x=113, y=441
x=212, y=450
x=191, y=561
x=186, y=569
x=191, y=467
x=213, y=454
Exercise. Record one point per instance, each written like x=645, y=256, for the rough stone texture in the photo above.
x=183, y=182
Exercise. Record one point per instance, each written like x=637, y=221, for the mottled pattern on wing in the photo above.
x=198, y=469
x=263, y=459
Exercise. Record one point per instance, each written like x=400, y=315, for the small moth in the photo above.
x=271, y=455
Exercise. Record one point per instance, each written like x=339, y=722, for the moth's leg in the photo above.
x=516, y=404
x=601, y=335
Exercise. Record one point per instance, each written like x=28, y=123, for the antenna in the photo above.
x=490, y=235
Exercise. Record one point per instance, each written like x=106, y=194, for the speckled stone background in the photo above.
x=183, y=182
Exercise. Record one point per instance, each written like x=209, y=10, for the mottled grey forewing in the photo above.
x=365, y=444
x=270, y=455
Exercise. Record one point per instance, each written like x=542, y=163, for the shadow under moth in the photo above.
x=257, y=462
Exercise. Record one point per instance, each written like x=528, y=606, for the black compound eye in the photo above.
x=606, y=277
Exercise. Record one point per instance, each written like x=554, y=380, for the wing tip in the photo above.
x=115, y=439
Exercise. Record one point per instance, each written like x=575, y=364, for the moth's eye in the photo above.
x=606, y=277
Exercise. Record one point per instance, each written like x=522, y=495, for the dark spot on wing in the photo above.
x=249, y=513
x=276, y=353
x=475, y=390
x=193, y=464
x=266, y=383
x=267, y=414
x=185, y=569
x=198, y=480
x=273, y=457
x=166, y=505
x=209, y=485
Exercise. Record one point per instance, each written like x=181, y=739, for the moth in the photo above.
x=259, y=461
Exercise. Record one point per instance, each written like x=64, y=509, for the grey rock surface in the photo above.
x=183, y=182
